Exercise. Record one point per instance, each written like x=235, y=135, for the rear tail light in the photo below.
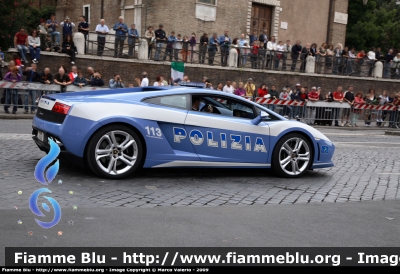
x=61, y=108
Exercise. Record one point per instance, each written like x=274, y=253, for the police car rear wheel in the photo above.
x=292, y=156
x=114, y=152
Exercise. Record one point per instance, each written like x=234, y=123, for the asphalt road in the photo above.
x=346, y=205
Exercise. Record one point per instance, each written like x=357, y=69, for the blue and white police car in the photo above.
x=116, y=132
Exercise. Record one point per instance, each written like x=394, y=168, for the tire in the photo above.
x=114, y=152
x=292, y=156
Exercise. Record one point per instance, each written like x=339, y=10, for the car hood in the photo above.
x=276, y=128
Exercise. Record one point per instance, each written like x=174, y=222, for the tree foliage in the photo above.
x=376, y=24
x=16, y=14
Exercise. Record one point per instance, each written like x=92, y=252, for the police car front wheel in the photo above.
x=114, y=152
x=292, y=156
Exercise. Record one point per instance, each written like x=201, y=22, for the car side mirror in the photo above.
x=264, y=115
x=260, y=118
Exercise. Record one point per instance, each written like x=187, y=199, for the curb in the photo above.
x=393, y=133
x=16, y=116
x=360, y=128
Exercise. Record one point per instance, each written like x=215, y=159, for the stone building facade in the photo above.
x=307, y=20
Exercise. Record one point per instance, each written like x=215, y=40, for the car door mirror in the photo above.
x=264, y=116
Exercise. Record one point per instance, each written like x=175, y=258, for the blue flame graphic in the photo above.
x=46, y=161
x=35, y=209
x=45, y=177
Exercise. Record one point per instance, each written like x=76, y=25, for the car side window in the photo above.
x=271, y=117
x=175, y=101
x=226, y=106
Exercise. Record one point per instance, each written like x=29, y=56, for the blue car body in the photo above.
x=174, y=136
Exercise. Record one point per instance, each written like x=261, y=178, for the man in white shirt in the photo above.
x=271, y=48
x=228, y=88
x=102, y=30
x=372, y=59
x=145, y=80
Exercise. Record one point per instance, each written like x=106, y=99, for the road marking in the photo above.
x=364, y=143
x=353, y=134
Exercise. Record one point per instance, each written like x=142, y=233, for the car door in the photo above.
x=171, y=111
x=227, y=134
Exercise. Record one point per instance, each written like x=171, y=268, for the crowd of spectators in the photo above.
x=260, y=50
x=336, y=116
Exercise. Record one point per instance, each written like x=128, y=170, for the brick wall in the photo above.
x=129, y=70
x=180, y=16
x=231, y=15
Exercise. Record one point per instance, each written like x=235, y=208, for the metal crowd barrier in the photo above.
x=331, y=113
x=27, y=93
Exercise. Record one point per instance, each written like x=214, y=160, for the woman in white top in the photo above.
x=34, y=46
x=280, y=48
x=151, y=39
x=159, y=82
x=271, y=47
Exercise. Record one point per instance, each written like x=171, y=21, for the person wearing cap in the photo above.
x=250, y=88
x=161, y=39
x=83, y=27
x=42, y=31
x=121, y=29
x=67, y=26
x=224, y=42
x=52, y=25
x=313, y=96
x=284, y=95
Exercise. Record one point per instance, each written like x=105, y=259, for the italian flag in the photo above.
x=177, y=69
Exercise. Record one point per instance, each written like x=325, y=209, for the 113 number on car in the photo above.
x=153, y=132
